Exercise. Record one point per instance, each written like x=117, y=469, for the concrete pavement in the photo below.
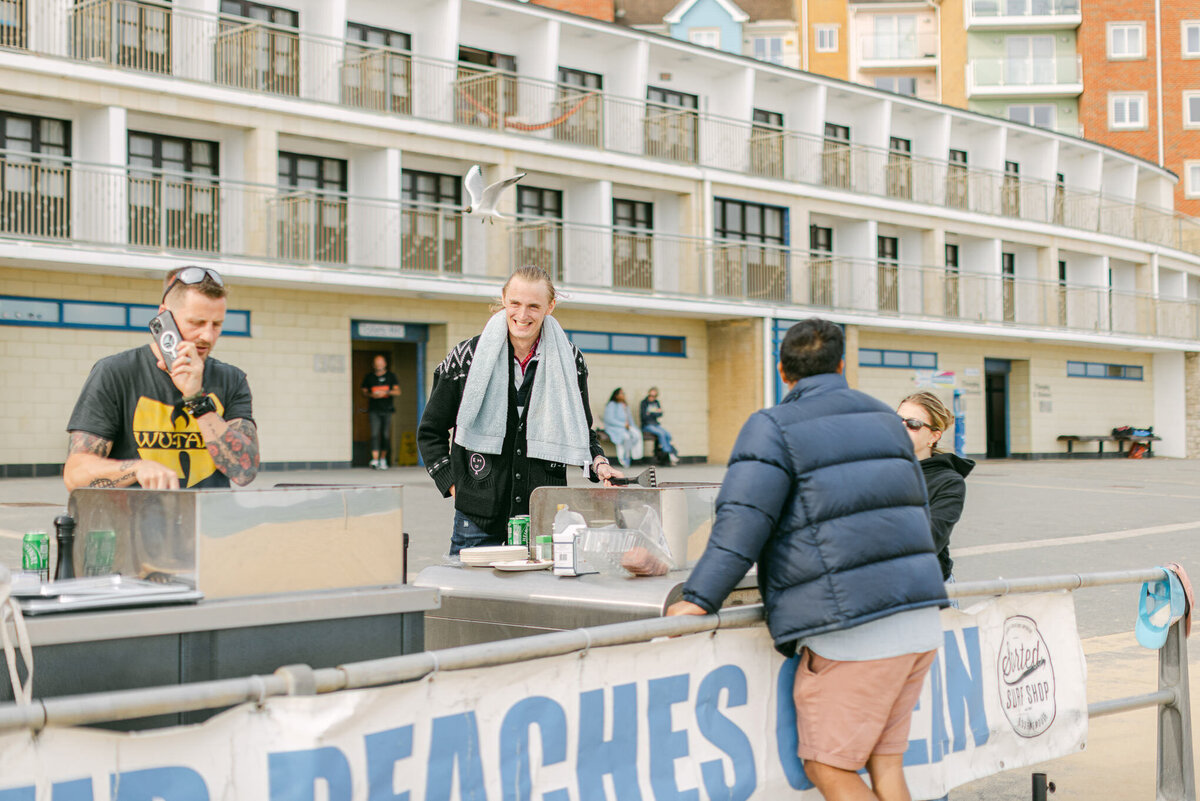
x=1021, y=519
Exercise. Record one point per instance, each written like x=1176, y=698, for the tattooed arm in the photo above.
x=233, y=445
x=88, y=465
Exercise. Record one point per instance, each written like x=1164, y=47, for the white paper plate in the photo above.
x=523, y=565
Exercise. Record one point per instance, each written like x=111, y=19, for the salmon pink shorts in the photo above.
x=847, y=711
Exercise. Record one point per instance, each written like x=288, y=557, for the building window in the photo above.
x=539, y=233
x=766, y=143
x=705, y=37
x=253, y=56
x=633, y=244
x=895, y=36
x=1127, y=372
x=1126, y=111
x=899, y=168
x=1039, y=116
x=754, y=264
x=671, y=127
x=768, y=48
x=904, y=359
x=1191, y=178
x=430, y=223
x=36, y=190
x=1029, y=61
x=173, y=192
x=820, y=265
x=958, y=195
x=952, y=268
x=1126, y=40
x=1190, y=38
x=1008, y=277
x=377, y=72
x=1191, y=109
x=835, y=156
x=898, y=84
x=311, y=208
x=54, y=313
x=827, y=38
x=887, y=273
x=628, y=344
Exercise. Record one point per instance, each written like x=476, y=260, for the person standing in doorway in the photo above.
x=380, y=385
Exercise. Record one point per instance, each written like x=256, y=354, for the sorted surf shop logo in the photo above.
x=1026, y=677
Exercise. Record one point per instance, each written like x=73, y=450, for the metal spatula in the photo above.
x=646, y=479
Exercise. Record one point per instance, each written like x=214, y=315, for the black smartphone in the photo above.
x=166, y=336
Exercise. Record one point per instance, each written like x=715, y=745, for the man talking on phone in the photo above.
x=149, y=418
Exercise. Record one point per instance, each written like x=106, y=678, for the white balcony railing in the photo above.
x=1064, y=73
x=128, y=210
x=886, y=48
x=986, y=9
x=154, y=37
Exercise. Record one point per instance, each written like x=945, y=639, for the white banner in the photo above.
x=708, y=716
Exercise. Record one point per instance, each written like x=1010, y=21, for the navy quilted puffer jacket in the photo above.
x=825, y=493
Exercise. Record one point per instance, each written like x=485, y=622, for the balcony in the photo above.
x=55, y=202
x=1060, y=76
x=1023, y=14
x=147, y=36
x=891, y=51
x=13, y=31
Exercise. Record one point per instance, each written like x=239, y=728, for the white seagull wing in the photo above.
x=474, y=185
x=492, y=194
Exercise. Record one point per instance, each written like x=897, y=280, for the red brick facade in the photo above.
x=1102, y=76
x=596, y=9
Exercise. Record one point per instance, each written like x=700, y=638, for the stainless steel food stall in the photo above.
x=482, y=604
x=308, y=575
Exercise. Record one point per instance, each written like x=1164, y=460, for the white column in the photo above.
x=100, y=197
x=374, y=218
x=1170, y=407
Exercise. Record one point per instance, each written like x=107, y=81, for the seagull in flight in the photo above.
x=483, y=201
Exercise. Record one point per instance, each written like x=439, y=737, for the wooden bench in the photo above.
x=649, y=446
x=1147, y=440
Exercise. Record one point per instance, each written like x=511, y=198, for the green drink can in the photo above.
x=35, y=553
x=99, y=547
x=518, y=530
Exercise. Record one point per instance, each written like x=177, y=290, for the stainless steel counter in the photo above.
x=147, y=647
x=482, y=605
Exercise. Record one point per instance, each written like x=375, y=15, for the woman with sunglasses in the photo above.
x=927, y=418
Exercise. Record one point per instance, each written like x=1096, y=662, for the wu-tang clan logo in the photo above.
x=171, y=437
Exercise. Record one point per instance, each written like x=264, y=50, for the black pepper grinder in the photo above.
x=64, y=530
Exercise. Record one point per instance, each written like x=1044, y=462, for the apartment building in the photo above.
x=691, y=203
x=1142, y=85
x=762, y=29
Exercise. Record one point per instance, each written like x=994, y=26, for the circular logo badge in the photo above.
x=1026, y=677
x=478, y=465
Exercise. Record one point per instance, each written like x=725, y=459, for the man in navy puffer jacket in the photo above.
x=825, y=493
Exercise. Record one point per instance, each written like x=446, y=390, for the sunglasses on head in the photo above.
x=916, y=425
x=190, y=276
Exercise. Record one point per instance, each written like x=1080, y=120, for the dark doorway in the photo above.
x=404, y=347
x=996, y=406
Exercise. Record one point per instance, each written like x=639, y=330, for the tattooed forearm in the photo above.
x=235, y=451
x=103, y=483
x=83, y=442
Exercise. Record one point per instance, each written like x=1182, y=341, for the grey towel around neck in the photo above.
x=556, y=429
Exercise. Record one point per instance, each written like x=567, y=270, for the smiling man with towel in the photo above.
x=516, y=399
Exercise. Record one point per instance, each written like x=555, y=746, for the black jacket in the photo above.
x=944, y=474
x=824, y=492
x=488, y=488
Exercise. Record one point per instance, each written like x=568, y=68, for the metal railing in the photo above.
x=1065, y=72
x=14, y=31
x=1174, y=776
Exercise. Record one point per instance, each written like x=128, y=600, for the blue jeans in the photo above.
x=467, y=534
x=660, y=433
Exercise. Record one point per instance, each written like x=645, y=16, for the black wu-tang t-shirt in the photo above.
x=128, y=400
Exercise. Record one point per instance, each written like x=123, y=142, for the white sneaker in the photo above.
x=383, y=465
x=674, y=459
x=374, y=464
